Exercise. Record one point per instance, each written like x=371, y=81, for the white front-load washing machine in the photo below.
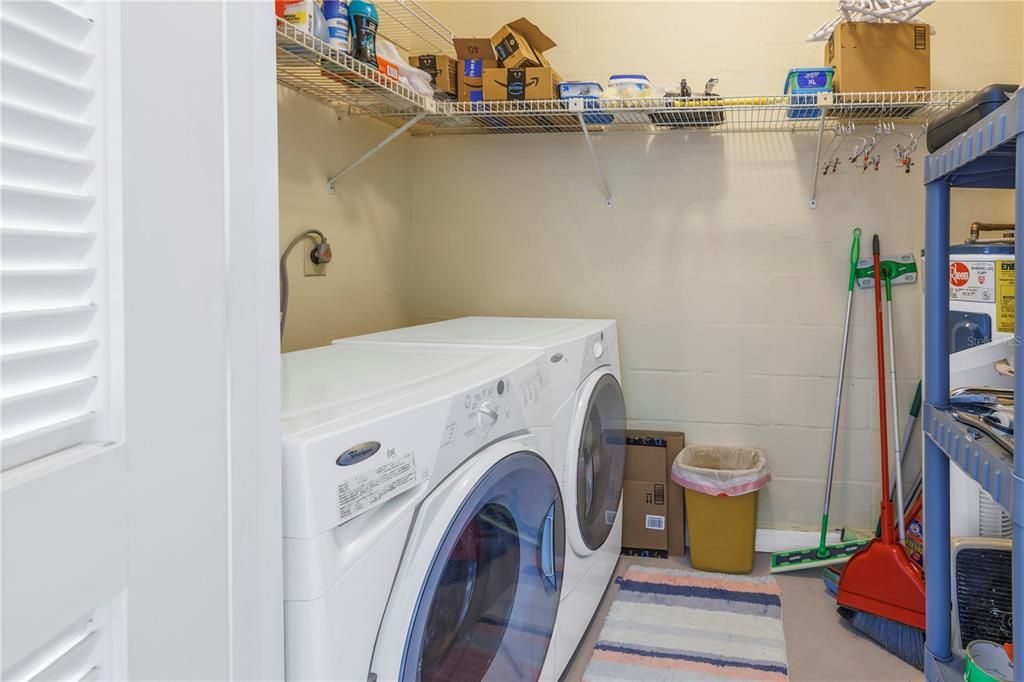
x=423, y=526
x=584, y=428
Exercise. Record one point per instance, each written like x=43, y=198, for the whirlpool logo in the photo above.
x=358, y=453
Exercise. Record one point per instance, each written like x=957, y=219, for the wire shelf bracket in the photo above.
x=577, y=106
x=823, y=99
x=395, y=134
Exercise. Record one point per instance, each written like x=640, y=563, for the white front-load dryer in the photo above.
x=423, y=528
x=584, y=428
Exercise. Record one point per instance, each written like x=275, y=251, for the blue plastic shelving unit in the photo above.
x=989, y=155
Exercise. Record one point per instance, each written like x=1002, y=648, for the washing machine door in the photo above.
x=596, y=466
x=487, y=607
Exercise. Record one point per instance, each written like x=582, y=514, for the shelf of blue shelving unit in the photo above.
x=990, y=154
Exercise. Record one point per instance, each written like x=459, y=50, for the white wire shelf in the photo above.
x=314, y=68
x=413, y=29
x=768, y=113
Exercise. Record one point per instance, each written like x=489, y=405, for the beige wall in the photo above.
x=729, y=291
x=366, y=221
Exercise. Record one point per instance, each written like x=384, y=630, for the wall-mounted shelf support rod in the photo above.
x=816, y=171
x=593, y=154
x=395, y=134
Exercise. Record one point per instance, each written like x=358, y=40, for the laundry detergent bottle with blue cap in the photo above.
x=364, y=18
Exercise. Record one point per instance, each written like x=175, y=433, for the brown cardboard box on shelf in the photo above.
x=880, y=57
x=520, y=44
x=475, y=55
x=534, y=82
x=652, y=505
x=443, y=71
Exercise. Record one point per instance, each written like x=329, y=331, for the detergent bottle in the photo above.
x=363, y=16
x=336, y=14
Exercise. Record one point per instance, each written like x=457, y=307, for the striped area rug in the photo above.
x=669, y=624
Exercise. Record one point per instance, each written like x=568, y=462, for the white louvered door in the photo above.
x=63, y=459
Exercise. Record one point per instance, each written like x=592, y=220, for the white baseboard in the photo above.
x=771, y=540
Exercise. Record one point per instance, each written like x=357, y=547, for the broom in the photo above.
x=881, y=591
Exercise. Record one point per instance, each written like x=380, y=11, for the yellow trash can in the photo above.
x=721, y=504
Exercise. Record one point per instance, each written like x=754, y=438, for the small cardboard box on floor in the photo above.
x=879, y=57
x=475, y=55
x=653, y=520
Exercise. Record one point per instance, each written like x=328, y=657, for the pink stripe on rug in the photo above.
x=697, y=581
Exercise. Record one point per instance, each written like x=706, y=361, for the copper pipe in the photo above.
x=977, y=228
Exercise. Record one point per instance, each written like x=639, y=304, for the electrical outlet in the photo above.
x=311, y=269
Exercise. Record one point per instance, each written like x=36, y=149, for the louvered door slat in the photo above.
x=21, y=331
x=39, y=129
x=42, y=50
x=60, y=21
x=53, y=437
x=38, y=88
x=28, y=167
x=40, y=249
x=27, y=289
x=36, y=369
x=29, y=207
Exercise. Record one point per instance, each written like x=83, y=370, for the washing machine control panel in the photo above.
x=488, y=413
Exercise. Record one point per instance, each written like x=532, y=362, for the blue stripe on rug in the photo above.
x=705, y=592
x=716, y=661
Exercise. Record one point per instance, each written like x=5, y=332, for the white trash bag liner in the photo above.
x=720, y=470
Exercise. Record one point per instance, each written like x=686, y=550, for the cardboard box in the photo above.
x=521, y=84
x=520, y=44
x=880, y=57
x=475, y=55
x=443, y=71
x=652, y=505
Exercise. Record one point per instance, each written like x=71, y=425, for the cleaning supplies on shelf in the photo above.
x=308, y=16
x=336, y=15
x=588, y=91
x=881, y=590
x=364, y=18
x=825, y=554
x=805, y=84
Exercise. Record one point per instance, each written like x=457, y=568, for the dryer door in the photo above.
x=487, y=608
x=600, y=456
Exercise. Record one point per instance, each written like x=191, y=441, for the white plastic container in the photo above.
x=628, y=86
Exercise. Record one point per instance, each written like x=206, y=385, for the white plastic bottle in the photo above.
x=336, y=13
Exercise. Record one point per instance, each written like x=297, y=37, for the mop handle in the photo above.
x=854, y=257
x=897, y=449
x=883, y=425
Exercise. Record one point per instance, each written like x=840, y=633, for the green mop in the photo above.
x=825, y=554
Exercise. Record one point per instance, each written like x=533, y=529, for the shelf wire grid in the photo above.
x=413, y=29
x=311, y=66
x=771, y=113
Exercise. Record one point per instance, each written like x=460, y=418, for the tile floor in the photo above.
x=819, y=644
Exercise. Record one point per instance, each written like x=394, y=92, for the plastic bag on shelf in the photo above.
x=721, y=470
x=395, y=66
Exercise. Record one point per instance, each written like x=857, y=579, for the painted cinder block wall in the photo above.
x=728, y=289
